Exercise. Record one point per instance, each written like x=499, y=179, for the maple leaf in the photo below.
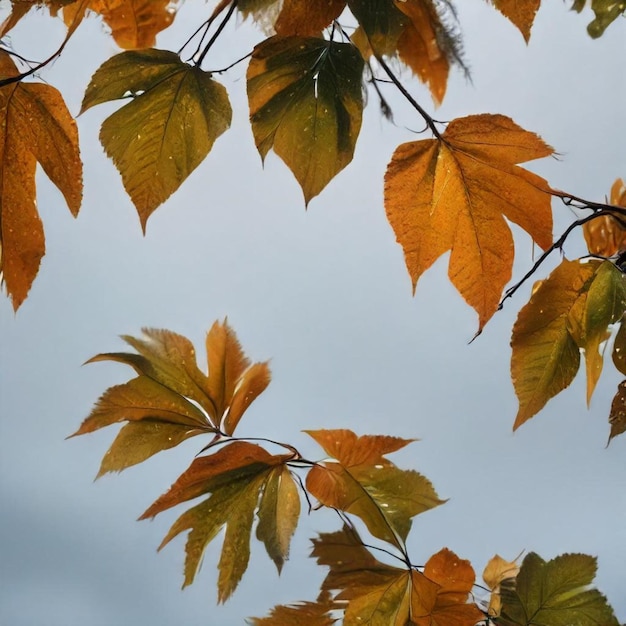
x=176, y=113
x=605, y=235
x=453, y=192
x=306, y=103
x=301, y=614
x=569, y=311
x=171, y=399
x=236, y=477
x=381, y=595
x=134, y=24
x=497, y=570
x=520, y=12
x=35, y=126
x=365, y=484
x=307, y=17
x=555, y=592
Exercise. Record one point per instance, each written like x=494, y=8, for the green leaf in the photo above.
x=176, y=113
x=306, y=103
x=278, y=514
x=234, y=477
x=607, y=11
x=381, y=21
x=555, y=593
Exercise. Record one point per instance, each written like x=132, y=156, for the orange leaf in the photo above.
x=520, y=12
x=419, y=46
x=19, y=8
x=35, y=126
x=134, y=24
x=300, y=614
x=605, y=235
x=349, y=449
x=453, y=193
x=307, y=17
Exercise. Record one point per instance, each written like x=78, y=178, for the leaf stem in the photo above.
x=216, y=34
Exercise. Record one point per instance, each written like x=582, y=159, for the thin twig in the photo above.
x=216, y=34
x=225, y=69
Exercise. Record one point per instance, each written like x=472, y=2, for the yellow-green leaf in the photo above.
x=175, y=114
x=306, y=103
x=234, y=476
x=607, y=11
x=35, y=126
x=278, y=514
x=556, y=592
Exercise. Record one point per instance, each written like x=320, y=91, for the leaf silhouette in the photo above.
x=453, y=194
x=520, y=12
x=134, y=23
x=176, y=113
x=369, y=486
x=306, y=103
x=235, y=477
x=35, y=126
x=171, y=399
x=569, y=311
x=555, y=592
x=381, y=595
x=619, y=349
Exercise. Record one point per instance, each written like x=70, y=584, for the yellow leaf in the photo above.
x=605, y=235
x=453, y=194
x=497, y=570
x=176, y=113
x=520, y=12
x=35, y=126
x=279, y=511
x=306, y=103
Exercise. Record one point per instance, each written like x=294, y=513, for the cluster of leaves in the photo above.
x=237, y=480
x=455, y=192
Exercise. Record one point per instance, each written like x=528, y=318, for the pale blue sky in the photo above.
x=326, y=296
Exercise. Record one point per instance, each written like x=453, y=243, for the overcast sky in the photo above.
x=324, y=294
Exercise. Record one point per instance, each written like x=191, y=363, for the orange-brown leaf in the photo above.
x=307, y=17
x=19, y=8
x=453, y=194
x=419, y=46
x=349, y=449
x=134, y=24
x=35, y=126
x=605, y=235
x=617, y=416
x=520, y=12
x=300, y=614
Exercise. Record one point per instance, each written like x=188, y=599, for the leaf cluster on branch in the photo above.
x=455, y=192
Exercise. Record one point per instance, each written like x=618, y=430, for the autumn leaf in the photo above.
x=307, y=17
x=617, y=416
x=301, y=614
x=306, y=104
x=605, y=235
x=520, y=12
x=35, y=126
x=171, y=399
x=381, y=21
x=569, y=311
x=365, y=484
x=453, y=193
x=381, y=595
x=19, y=8
x=176, y=113
x=556, y=592
x=619, y=349
x=134, y=24
x=235, y=476
x=497, y=570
